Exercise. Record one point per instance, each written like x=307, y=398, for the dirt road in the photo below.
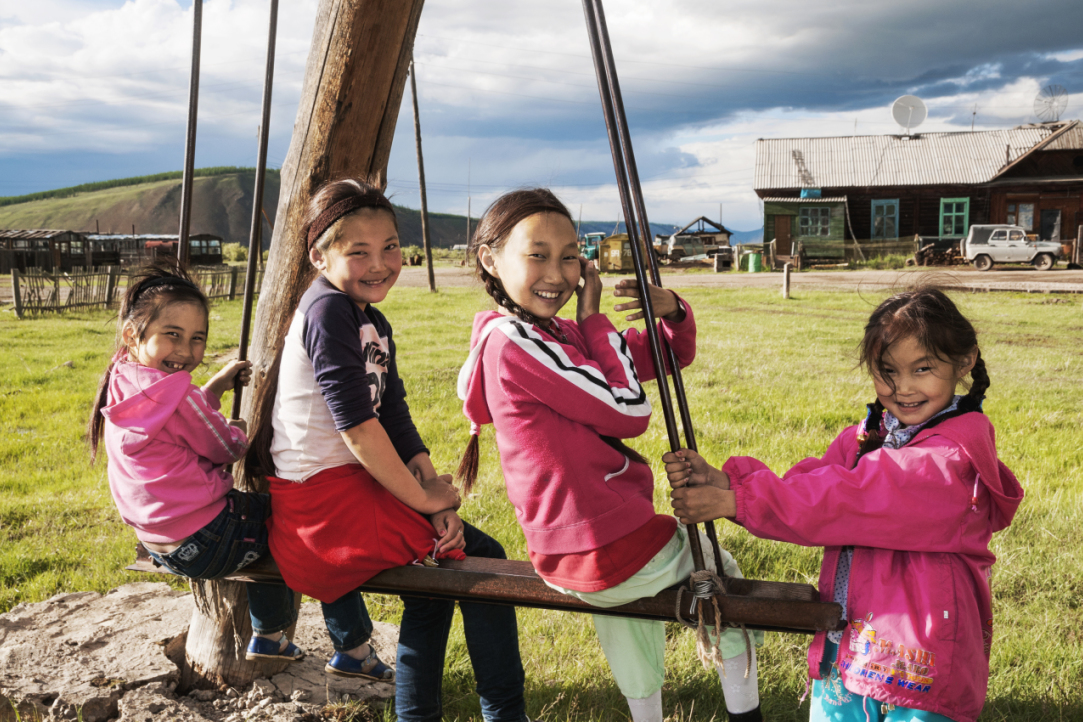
x=1027, y=280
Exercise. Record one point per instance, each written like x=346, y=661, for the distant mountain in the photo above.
x=221, y=205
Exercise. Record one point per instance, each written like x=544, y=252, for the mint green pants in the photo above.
x=635, y=648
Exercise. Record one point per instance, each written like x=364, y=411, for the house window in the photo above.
x=954, y=214
x=885, y=219
x=815, y=221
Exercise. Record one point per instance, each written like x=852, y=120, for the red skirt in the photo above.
x=339, y=528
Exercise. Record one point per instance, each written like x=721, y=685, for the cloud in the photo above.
x=507, y=89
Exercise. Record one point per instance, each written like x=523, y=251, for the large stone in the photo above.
x=99, y=656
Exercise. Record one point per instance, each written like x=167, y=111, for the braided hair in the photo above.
x=493, y=231
x=150, y=289
x=930, y=317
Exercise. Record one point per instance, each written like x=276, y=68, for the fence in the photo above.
x=38, y=291
x=865, y=250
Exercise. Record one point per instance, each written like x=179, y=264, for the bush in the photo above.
x=234, y=253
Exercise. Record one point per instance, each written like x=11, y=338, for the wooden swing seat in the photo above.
x=770, y=606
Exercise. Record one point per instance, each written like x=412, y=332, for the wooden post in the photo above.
x=110, y=286
x=1077, y=252
x=233, y=281
x=421, y=181
x=354, y=82
x=786, y=280
x=16, y=292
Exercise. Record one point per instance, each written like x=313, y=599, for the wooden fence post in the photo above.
x=786, y=280
x=354, y=83
x=110, y=286
x=233, y=282
x=16, y=292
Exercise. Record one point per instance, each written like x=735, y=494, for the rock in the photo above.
x=85, y=650
x=93, y=657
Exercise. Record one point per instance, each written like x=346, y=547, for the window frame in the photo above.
x=882, y=203
x=804, y=212
x=965, y=216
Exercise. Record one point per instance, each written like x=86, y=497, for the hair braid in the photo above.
x=495, y=288
x=980, y=377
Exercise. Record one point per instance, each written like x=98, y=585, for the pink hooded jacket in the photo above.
x=550, y=402
x=919, y=606
x=167, y=446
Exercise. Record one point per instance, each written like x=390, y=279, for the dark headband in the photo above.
x=164, y=281
x=371, y=199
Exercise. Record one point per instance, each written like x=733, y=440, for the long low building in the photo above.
x=885, y=187
x=65, y=250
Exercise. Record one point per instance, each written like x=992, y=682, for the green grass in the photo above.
x=774, y=379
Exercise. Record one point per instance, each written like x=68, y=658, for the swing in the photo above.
x=754, y=604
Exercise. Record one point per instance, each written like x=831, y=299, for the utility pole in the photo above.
x=421, y=182
x=190, y=138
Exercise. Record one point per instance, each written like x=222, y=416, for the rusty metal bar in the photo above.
x=771, y=606
x=190, y=138
x=620, y=120
x=620, y=147
x=255, y=233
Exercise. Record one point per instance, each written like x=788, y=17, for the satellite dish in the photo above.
x=1050, y=102
x=909, y=111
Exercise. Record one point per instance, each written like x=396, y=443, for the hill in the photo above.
x=221, y=205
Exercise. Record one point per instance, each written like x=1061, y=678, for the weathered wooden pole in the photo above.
x=354, y=81
x=190, y=137
x=421, y=181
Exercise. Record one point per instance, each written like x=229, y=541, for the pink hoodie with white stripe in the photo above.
x=551, y=402
x=167, y=447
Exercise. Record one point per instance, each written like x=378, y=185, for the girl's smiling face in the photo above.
x=365, y=261
x=914, y=384
x=174, y=341
x=538, y=264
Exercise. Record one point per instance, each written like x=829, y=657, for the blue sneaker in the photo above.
x=370, y=667
x=264, y=648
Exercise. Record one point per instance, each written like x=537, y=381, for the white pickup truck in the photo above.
x=989, y=244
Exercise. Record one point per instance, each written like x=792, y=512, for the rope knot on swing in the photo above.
x=705, y=584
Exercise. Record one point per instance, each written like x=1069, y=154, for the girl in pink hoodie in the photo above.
x=905, y=505
x=561, y=395
x=169, y=448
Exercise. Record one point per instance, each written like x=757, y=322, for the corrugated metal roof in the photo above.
x=891, y=160
x=837, y=199
x=1071, y=139
x=32, y=234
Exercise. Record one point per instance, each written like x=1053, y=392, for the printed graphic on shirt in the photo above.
x=376, y=352
x=913, y=669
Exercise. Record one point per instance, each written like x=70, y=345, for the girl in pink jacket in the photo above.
x=561, y=394
x=905, y=505
x=169, y=448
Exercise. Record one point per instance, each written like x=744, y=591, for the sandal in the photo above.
x=370, y=667
x=264, y=648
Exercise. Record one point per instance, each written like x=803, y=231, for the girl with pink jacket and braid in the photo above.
x=561, y=395
x=905, y=505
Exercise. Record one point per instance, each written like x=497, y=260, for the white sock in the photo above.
x=742, y=695
x=648, y=709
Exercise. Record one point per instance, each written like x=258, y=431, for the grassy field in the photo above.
x=773, y=379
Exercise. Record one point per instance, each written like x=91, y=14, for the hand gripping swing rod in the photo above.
x=620, y=121
x=255, y=242
x=621, y=147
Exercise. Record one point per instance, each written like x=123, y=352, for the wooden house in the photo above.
x=44, y=248
x=890, y=187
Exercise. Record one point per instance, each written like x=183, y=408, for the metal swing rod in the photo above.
x=635, y=215
x=255, y=234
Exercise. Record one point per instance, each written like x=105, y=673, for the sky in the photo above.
x=98, y=89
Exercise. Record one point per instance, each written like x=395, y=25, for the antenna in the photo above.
x=1050, y=102
x=909, y=111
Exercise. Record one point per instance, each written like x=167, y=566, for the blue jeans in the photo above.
x=492, y=638
x=231, y=541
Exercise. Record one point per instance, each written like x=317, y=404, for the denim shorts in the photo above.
x=231, y=541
